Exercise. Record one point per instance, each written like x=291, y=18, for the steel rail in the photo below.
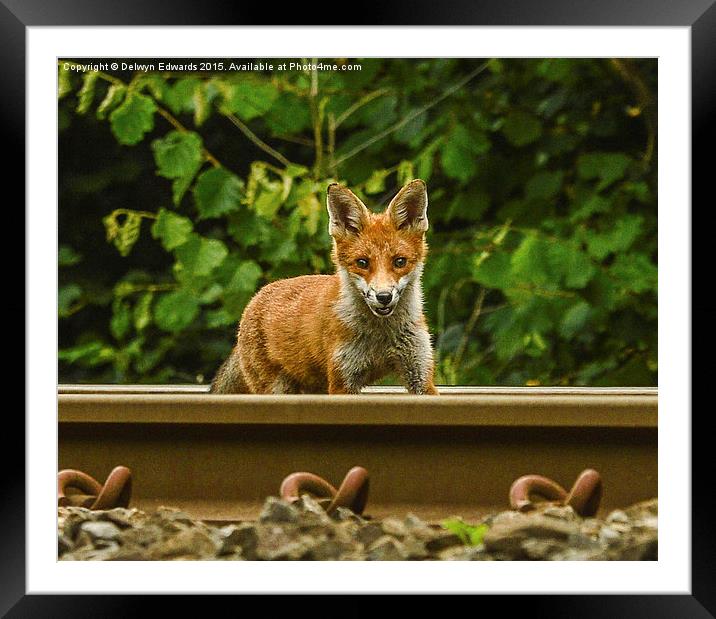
x=219, y=456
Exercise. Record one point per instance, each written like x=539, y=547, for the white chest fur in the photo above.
x=380, y=345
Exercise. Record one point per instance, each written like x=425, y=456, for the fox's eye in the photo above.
x=362, y=263
x=400, y=262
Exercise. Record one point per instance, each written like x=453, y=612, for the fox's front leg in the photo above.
x=415, y=356
x=343, y=375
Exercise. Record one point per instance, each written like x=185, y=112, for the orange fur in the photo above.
x=291, y=329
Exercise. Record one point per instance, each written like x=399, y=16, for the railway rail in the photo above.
x=217, y=457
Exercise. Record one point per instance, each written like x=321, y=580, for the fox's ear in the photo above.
x=347, y=214
x=409, y=209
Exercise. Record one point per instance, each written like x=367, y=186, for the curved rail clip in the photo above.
x=352, y=493
x=116, y=491
x=584, y=497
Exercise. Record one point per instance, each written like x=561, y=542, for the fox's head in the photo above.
x=382, y=254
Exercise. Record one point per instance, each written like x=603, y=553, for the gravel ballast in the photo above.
x=303, y=531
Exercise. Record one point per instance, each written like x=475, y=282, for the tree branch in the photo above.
x=257, y=140
x=451, y=90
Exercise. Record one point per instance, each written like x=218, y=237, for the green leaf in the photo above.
x=470, y=535
x=66, y=297
x=114, y=96
x=249, y=98
x=199, y=255
x=556, y=69
x=607, y=167
x=469, y=205
x=121, y=319
x=90, y=354
x=133, y=119
x=310, y=209
x=460, y=150
x=246, y=277
x=123, y=234
x=544, y=185
x=620, y=238
x=531, y=263
x=521, y=128
x=171, y=229
x=494, y=271
x=143, y=311
x=179, y=188
x=202, y=106
x=178, y=154
x=635, y=272
x=269, y=199
x=64, y=81
x=67, y=257
x=175, y=311
x=405, y=172
x=181, y=96
x=376, y=182
x=592, y=205
x=573, y=264
x=288, y=115
x=574, y=319
x=220, y=318
x=86, y=93
x=217, y=192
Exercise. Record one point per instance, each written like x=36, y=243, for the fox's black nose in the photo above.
x=384, y=297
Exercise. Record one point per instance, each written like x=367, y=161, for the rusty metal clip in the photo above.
x=584, y=497
x=352, y=493
x=116, y=491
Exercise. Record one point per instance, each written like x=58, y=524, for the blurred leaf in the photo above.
x=143, y=311
x=114, y=96
x=574, y=319
x=90, y=353
x=86, y=93
x=521, y=128
x=245, y=277
x=607, y=167
x=66, y=297
x=175, y=311
x=544, y=185
x=288, y=114
x=121, y=319
x=376, y=183
x=460, y=150
x=67, y=257
x=618, y=239
x=635, y=272
x=64, y=81
x=249, y=98
x=494, y=272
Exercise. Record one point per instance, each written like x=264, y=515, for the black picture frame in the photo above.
x=699, y=15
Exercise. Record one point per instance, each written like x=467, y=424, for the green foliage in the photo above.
x=471, y=535
x=542, y=182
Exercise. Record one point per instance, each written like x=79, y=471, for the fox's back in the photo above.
x=294, y=322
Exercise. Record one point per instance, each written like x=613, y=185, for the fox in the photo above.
x=338, y=333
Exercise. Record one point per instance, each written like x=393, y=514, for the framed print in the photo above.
x=183, y=181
